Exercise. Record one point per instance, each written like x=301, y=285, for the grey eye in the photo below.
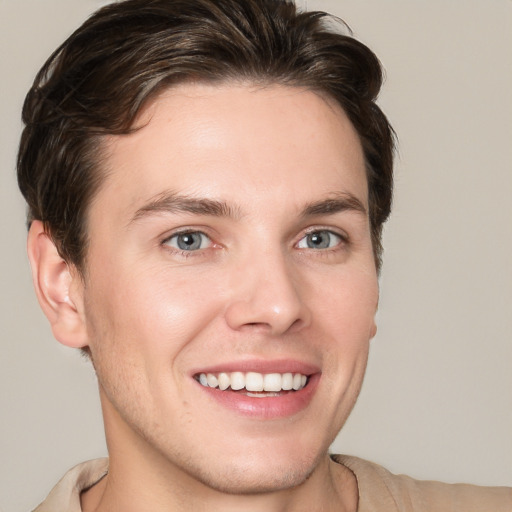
x=322, y=239
x=191, y=241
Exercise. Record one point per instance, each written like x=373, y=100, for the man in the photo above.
x=207, y=184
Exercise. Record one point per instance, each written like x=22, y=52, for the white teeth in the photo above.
x=224, y=381
x=213, y=382
x=270, y=383
x=287, y=381
x=261, y=395
x=237, y=381
x=253, y=381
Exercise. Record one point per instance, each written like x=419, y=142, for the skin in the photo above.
x=152, y=315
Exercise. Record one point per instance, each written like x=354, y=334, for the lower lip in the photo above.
x=269, y=407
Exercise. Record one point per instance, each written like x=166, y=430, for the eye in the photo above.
x=322, y=239
x=189, y=241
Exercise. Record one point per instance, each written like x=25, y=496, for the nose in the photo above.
x=267, y=294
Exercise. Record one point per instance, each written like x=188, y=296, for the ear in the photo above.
x=59, y=288
x=373, y=327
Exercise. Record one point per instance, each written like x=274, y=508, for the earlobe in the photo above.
x=57, y=288
x=373, y=327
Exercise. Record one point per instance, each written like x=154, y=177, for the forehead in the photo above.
x=230, y=139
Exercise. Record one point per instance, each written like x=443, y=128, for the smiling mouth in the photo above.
x=254, y=384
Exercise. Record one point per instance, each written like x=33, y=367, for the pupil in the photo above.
x=189, y=241
x=319, y=240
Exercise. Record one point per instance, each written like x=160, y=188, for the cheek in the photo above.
x=349, y=305
x=151, y=313
x=346, y=315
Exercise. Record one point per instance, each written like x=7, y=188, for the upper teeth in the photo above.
x=253, y=381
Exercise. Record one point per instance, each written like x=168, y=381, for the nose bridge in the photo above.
x=266, y=293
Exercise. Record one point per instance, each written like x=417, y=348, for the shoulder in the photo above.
x=381, y=490
x=65, y=496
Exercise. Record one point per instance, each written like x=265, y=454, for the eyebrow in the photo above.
x=341, y=202
x=169, y=202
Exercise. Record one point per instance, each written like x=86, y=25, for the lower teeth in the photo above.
x=261, y=394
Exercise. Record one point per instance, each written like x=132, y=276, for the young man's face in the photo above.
x=230, y=235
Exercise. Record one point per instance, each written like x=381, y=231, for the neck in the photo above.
x=331, y=487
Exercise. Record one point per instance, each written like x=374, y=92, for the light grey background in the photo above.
x=437, y=400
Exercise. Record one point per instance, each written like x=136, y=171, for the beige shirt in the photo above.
x=379, y=491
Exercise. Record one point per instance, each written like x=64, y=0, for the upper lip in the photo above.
x=260, y=366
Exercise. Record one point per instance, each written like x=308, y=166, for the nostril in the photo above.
x=273, y=306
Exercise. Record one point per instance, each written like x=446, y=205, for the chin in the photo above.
x=254, y=475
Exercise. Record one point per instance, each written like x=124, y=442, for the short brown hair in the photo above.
x=96, y=82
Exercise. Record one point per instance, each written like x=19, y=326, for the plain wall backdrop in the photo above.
x=437, y=399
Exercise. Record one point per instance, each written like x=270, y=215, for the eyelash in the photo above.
x=182, y=252
x=342, y=238
x=343, y=241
